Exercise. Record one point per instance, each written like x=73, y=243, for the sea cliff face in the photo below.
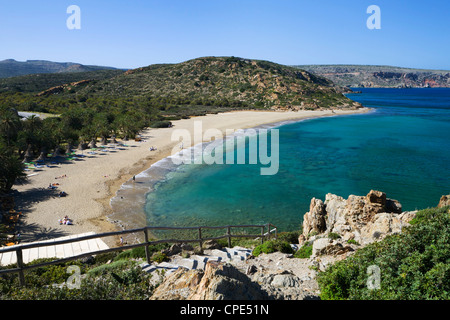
x=381, y=76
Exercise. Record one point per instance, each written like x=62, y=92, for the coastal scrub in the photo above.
x=413, y=265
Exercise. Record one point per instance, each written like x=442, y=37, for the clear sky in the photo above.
x=135, y=33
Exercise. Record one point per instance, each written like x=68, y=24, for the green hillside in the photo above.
x=223, y=81
x=191, y=88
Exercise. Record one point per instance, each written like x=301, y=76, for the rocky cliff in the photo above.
x=381, y=76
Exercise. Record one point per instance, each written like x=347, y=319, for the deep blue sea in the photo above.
x=401, y=148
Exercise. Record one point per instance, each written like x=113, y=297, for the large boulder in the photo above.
x=336, y=212
x=444, y=201
x=219, y=281
x=326, y=246
x=178, y=285
x=314, y=219
x=361, y=218
x=282, y=285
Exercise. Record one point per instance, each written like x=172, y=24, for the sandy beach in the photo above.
x=92, y=180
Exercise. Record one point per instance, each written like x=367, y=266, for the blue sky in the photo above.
x=130, y=34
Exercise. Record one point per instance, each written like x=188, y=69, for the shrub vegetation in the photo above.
x=413, y=265
x=273, y=246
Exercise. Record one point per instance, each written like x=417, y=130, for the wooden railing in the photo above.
x=21, y=267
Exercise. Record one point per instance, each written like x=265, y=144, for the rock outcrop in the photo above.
x=61, y=88
x=444, y=201
x=363, y=219
x=315, y=220
x=273, y=276
x=219, y=281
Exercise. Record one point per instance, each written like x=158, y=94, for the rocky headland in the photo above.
x=372, y=76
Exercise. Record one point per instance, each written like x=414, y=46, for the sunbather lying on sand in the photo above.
x=66, y=221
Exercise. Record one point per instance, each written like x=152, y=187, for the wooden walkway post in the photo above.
x=229, y=236
x=200, y=239
x=262, y=234
x=20, y=266
x=147, y=253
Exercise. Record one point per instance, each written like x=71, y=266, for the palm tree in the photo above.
x=102, y=124
x=32, y=127
x=11, y=168
x=10, y=125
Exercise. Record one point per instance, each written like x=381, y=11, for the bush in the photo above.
x=304, y=252
x=107, y=268
x=333, y=236
x=119, y=280
x=413, y=265
x=273, y=246
x=161, y=124
x=290, y=237
x=159, y=257
x=139, y=252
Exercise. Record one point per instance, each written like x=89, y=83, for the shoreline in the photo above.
x=90, y=190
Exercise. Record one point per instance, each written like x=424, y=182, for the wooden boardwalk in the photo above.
x=55, y=251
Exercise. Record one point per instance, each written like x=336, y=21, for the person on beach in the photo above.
x=65, y=221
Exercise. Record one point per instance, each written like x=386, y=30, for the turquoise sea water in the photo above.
x=402, y=148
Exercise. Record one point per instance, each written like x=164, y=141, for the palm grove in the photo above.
x=25, y=139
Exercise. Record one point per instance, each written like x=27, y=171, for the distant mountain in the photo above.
x=12, y=68
x=221, y=81
x=380, y=76
x=36, y=83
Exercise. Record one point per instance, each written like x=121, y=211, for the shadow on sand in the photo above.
x=24, y=202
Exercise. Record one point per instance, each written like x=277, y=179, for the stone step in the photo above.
x=242, y=253
x=224, y=255
x=199, y=261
